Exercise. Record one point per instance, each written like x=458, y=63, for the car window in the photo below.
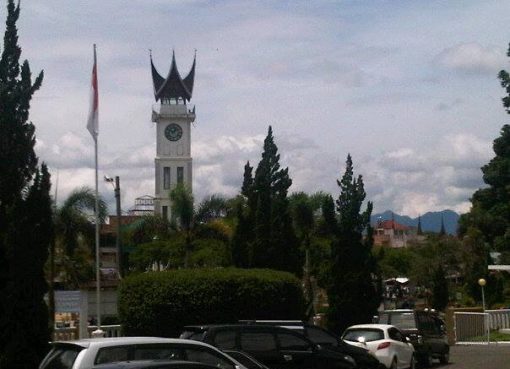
x=112, y=354
x=257, y=342
x=319, y=336
x=202, y=355
x=369, y=334
x=403, y=320
x=292, y=342
x=225, y=340
x=156, y=352
x=193, y=335
x=395, y=334
x=61, y=358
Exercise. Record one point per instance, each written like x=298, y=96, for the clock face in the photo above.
x=173, y=132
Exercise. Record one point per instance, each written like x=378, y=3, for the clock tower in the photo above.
x=173, y=116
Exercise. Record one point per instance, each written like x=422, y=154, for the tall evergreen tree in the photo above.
x=265, y=234
x=23, y=206
x=490, y=211
x=352, y=288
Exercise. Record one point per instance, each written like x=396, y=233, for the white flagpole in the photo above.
x=98, y=332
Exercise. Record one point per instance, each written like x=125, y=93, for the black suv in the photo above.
x=320, y=336
x=276, y=347
x=425, y=329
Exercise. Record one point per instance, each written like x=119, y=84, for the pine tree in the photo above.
x=352, y=289
x=271, y=241
x=25, y=213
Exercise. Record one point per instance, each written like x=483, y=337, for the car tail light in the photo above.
x=383, y=345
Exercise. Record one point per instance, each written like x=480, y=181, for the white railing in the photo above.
x=470, y=327
x=499, y=319
x=476, y=327
x=72, y=333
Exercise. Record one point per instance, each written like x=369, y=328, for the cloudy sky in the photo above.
x=409, y=88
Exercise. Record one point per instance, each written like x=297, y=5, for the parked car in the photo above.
x=155, y=364
x=425, y=329
x=363, y=357
x=386, y=342
x=85, y=353
x=276, y=347
x=247, y=360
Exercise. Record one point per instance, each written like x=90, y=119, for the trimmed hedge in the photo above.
x=161, y=303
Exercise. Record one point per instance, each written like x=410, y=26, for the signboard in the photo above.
x=67, y=301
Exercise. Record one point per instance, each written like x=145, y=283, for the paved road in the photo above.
x=493, y=356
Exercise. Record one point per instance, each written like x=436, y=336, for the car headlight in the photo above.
x=350, y=359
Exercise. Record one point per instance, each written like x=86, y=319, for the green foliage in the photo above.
x=160, y=304
x=26, y=228
x=75, y=236
x=440, y=295
x=353, y=283
x=264, y=236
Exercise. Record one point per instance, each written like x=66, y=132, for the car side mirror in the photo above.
x=362, y=340
x=408, y=340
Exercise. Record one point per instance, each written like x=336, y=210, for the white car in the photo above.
x=86, y=353
x=386, y=342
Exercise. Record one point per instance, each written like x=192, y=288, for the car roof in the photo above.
x=153, y=363
x=244, y=326
x=372, y=326
x=119, y=341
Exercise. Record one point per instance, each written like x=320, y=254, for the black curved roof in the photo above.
x=173, y=86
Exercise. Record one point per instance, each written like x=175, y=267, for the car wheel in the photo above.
x=444, y=358
x=394, y=364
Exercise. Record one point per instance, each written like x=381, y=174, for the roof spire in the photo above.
x=173, y=86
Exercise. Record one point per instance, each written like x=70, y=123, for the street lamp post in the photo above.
x=482, y=282
x=118, y=246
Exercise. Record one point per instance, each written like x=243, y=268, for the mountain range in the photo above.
x=430, y=222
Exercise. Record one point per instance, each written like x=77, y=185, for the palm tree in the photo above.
x=194, y=223
x=74, y=231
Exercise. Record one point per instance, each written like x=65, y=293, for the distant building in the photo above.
x=389, y=233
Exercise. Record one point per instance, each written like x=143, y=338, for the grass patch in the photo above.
x=494, y=336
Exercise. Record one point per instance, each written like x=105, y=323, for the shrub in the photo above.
x=162, y=303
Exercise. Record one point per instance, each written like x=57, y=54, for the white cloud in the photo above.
x=472, y=58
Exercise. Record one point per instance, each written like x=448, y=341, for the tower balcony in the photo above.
x=167, y=110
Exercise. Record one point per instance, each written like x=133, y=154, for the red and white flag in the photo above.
x=93, y=121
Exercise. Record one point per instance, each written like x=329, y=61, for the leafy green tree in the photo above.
x=25, y=213
x=352, y=289
x=272, y=243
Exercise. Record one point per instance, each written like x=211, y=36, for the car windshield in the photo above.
x=403, y=320
x=369, y=334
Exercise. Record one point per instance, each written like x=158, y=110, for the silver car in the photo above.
x=86, y=353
